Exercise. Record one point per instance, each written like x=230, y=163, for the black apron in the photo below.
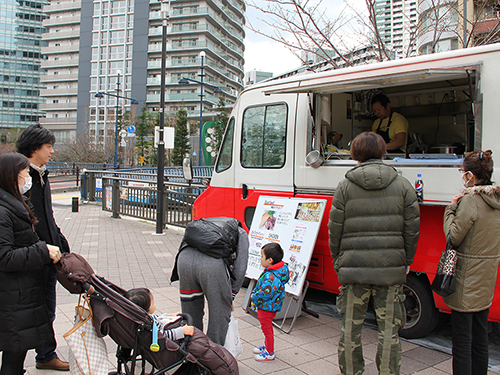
x=385, y=135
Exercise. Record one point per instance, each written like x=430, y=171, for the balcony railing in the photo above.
x=62, y=21
x=66, y=5
x=155, y=98
x=61, y=35
x=59, y=63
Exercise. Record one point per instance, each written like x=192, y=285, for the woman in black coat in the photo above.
x=24, y=320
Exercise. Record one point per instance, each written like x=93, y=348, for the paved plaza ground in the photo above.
x=126, y=252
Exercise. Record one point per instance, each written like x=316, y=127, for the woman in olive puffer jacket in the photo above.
x=24, y=319
x=472, y=221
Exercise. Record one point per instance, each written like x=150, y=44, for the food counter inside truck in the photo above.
x=438, y=108
x=441, y=107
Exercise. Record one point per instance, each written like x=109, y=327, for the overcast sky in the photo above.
x=263, y=54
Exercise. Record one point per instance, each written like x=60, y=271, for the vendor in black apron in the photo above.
x=392, y=126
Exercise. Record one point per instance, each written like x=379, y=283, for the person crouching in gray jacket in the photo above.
x=203, y=276
x=373, y=228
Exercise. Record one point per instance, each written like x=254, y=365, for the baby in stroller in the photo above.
x=143, y=298
x=132, y=328
x=211, y=356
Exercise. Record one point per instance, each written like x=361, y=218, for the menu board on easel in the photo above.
x=294, y=224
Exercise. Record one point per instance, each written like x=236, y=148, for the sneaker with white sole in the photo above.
x=264, y=356
x=259, y=350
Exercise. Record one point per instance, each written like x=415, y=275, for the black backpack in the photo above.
x=214, y=236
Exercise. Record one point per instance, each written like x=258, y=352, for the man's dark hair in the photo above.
x=273, y=250
x=33, y=138
x=367, y=145
x=380, y=98
x=140, y=296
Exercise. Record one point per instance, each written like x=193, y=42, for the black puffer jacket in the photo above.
x=24, y=320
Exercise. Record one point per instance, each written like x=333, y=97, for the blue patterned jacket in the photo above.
x=269, y=292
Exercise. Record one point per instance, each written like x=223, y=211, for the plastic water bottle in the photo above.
x=419, y=188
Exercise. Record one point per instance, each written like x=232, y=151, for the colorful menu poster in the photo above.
x=294, y=224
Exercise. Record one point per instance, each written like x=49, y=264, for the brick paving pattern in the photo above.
x=129, y=254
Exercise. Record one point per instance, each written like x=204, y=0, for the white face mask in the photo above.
x=27, y=185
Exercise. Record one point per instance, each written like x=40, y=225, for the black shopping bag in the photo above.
x=444, y=282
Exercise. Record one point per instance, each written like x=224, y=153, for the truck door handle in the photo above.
x=245, y=191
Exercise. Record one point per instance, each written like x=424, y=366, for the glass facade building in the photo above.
x=20, y=58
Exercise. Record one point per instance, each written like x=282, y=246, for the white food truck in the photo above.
x=290, y=138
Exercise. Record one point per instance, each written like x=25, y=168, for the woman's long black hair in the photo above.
x=11, y=165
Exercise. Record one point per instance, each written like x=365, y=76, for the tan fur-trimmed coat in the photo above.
x=474, y=228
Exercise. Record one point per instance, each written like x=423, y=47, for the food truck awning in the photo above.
x=366, y=80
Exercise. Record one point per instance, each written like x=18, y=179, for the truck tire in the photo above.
x=421, y=314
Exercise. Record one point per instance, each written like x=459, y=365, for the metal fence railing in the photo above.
x=134, y=193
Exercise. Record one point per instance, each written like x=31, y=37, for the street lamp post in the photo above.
x=201, y=75
x=185, y=81
x=115, y=159
x=161, y=143
x=117, y=96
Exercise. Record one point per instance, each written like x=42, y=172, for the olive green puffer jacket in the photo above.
x=474, y=227
x=374, y=225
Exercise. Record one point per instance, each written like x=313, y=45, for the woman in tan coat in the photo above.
x=472, y=221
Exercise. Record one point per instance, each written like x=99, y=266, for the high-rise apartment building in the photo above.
x=20, y=56
x=61, y=52
x=397, y=25
x=451, y=24
x=123, y=38
x=255, y=76
x=438, y=29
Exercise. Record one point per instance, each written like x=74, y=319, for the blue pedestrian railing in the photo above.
x=133, y=192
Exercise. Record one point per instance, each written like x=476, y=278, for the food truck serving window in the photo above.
x=264, y=136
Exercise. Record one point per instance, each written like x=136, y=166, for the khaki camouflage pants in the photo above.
x=352, y=304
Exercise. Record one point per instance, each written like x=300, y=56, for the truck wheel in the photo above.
x=421, y=314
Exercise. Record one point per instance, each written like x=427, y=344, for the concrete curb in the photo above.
x=59, y=190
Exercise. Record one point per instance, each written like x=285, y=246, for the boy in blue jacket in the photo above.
x=268, y=296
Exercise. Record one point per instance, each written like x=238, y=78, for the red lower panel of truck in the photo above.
x=216, y=201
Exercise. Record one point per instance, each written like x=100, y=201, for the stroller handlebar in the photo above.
x=189, y=322
x=187, y=318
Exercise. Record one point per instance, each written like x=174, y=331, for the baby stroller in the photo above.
x=131, y=328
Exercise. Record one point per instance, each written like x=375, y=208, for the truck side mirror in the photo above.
x=187, y=169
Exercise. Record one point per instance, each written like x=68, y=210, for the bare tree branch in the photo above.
x=302, y=27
